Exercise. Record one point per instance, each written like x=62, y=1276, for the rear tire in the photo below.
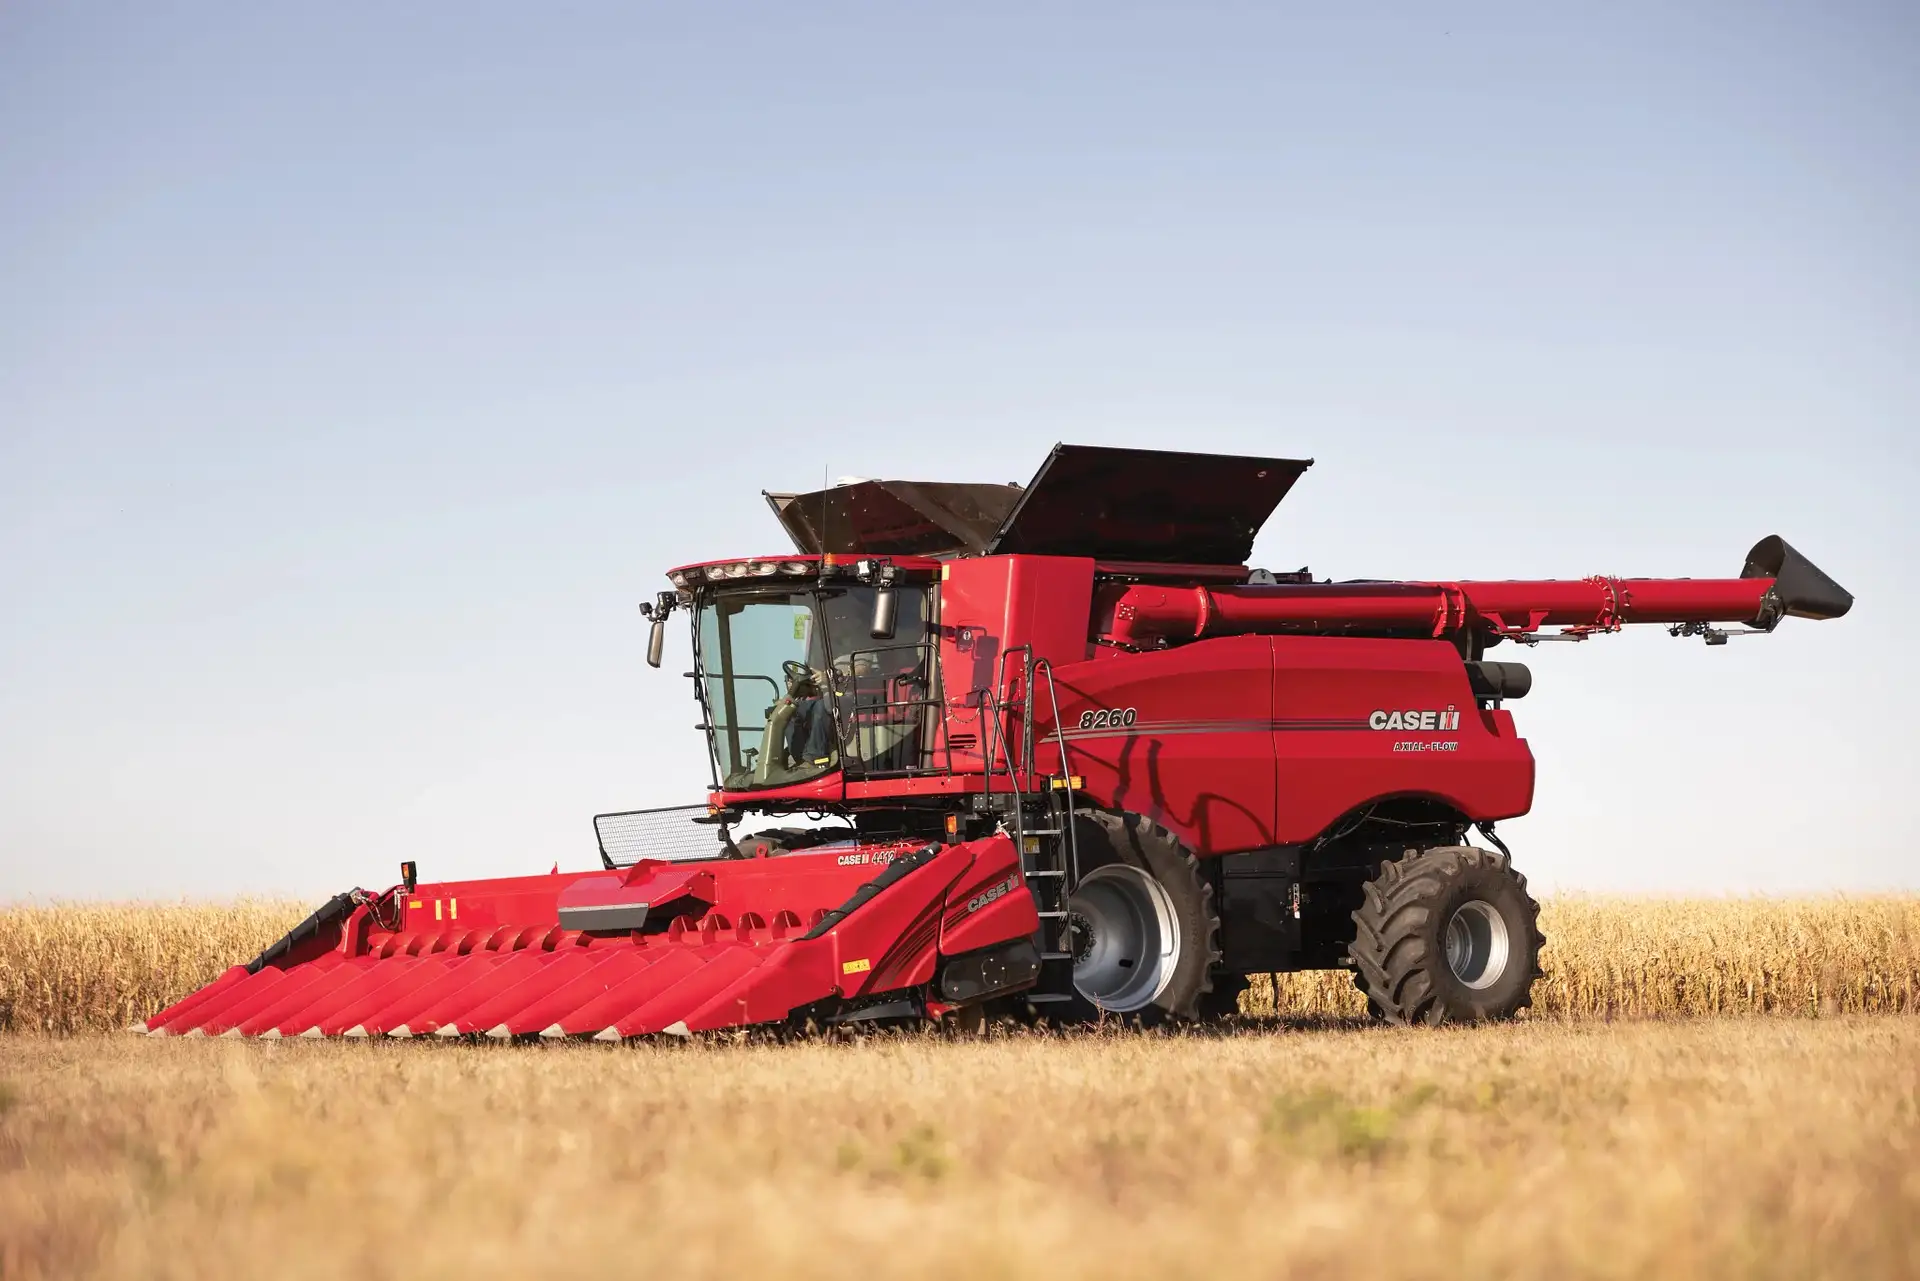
x=1447, y=935
x=1136, y=876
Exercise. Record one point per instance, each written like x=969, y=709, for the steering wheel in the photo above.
x=799, y=676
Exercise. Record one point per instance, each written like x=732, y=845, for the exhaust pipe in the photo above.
x=1499, y=681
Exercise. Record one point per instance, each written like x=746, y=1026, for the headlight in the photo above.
x=677, y=578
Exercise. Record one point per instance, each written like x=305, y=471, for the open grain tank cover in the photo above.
x=1147, y=505
x=895, y=517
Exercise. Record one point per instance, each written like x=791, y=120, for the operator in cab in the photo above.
x=810, y=732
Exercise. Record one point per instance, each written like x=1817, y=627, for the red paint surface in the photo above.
x=735, y=956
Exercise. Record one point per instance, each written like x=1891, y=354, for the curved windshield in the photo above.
x=793, y=684
x=771, y=722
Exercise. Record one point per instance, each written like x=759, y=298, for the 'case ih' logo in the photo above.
x=1413, y=718
x=988, y=895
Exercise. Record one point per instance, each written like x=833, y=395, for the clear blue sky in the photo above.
x=361, y=366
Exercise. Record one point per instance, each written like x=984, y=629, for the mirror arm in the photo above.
x=657, y=611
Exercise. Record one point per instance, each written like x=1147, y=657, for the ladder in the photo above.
x=1047, y=860
x=1048, y=844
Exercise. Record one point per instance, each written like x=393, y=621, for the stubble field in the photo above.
x=1704, y=1090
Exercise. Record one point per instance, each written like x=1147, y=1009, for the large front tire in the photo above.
x=1145, y=925
x=1447, y=935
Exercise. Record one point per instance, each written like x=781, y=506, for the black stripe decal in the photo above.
x=1161, y=729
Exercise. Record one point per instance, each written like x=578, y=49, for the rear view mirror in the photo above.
x=883, y=611
x=657, y=611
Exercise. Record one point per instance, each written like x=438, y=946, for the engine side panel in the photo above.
x=1358, y=718
x=1249, y=741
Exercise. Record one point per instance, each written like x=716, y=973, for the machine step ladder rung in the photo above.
x=1049, y=858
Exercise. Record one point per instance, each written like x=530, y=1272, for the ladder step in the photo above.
x=1051, y=915
x=1056, y=956
x=1042, y=871
x=1040, y=997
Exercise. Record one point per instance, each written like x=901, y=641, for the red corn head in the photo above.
x=659, y=947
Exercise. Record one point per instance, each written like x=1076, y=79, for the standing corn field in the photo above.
x=1631, y=957
x=73, y=967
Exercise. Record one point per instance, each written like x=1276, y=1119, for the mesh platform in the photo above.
x=668, y=833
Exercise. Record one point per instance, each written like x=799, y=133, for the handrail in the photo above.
x=1066, y=775
x=1026, y=756
x=996, y=737
x=923, y=712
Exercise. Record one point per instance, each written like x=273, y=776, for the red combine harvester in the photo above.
x=1059, y=753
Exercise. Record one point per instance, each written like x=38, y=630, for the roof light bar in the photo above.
x=729, y=570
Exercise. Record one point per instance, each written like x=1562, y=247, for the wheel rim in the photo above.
x=1126, y=938
x=1476, y=943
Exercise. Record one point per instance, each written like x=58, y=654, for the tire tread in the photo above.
x=1126, y=829
x=1391, y=954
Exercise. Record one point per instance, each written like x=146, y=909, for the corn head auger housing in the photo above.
x=1051, y=751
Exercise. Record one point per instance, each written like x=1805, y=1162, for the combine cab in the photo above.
x=1052, y=751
